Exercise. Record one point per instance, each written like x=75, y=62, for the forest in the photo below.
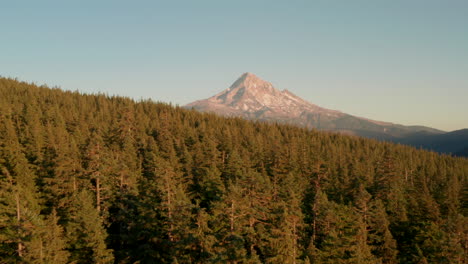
x=107, y=179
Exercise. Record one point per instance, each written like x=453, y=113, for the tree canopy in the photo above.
x=106, y=179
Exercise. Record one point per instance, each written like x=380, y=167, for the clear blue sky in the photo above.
x=402, y=61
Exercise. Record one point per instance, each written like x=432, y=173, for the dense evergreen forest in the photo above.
x=104, y=179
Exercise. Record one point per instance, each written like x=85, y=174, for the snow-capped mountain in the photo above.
x=253, y=98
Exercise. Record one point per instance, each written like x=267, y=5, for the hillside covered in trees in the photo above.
x=101, y=179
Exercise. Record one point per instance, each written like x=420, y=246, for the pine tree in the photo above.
x=175, y=206
x=9, y=237
x=97, y=171
x=51, y=243
x=211, y=187
x=228, y=222
x=145, y=182
x=388, y=187
x=379, y=237
x=21, y=207
x=287, y=225
x=85, y=232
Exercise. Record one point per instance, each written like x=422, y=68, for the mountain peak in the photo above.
x=253, y=98
x=249, y=75
x=250, y=81
x=250, y=95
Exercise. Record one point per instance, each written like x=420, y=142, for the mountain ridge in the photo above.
x=250, y=96
x=253, y=98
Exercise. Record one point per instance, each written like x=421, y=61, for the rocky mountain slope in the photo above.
x=253, y=98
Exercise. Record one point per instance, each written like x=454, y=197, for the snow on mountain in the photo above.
x=250, y=95
x=253, y=98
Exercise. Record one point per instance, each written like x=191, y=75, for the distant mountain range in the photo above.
x=455, y=142
x=253, y=98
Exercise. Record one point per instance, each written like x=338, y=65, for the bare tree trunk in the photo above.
x=294, y=242
x=232, y=216
x=121, y=181
x=98, y=195
x=74, y=177
x=169, y=208
x=251, y=225
x=41, y=251
x=314, y=223
x=18, y=217
x=74, y=184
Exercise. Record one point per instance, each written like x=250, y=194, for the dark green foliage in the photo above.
x=86, y=233
x=99, y=179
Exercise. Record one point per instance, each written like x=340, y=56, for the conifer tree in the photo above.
x=380, y=238
x=287, y=225
x=100, y=179
x=97, y=171
x=21, y=208
x=51, y=244
x=228, y=222
x=85, y=232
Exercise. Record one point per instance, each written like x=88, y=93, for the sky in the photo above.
x=401, y=61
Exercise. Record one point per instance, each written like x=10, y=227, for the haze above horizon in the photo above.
x=403, y=62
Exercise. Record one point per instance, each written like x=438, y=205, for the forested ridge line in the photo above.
x=105, y=179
